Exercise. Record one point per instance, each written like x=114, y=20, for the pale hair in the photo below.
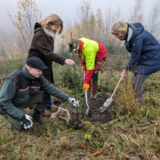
x=50, y=20
x=119, y=26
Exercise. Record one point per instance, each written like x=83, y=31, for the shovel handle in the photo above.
x=115, y=88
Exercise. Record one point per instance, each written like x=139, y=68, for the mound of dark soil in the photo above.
x=94, y=114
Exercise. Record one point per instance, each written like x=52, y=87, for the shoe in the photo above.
x=46, y=113
x=37, y=116
x=54, y=106
x=93, y=96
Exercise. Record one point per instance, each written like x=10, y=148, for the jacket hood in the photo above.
x=136, y=28
x=37, y=27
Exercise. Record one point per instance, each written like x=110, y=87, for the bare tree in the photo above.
x=153, y=22
x=24, y=21
x=112, y=43
x=136, y=14
x=81, y=24
x=99, y=26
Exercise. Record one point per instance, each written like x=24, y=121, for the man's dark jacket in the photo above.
x=19, y=86
x=42, y=47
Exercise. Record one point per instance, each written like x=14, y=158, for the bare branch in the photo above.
x=137, y=12
x=24, y=22
x=153, y=24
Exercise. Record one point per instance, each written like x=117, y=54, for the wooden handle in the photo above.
x=115, y=88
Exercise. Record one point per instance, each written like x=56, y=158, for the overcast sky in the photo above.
x=66, y=9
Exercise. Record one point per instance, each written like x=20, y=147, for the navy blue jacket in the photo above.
x=144, y=49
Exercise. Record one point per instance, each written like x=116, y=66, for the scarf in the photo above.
x=49, y=33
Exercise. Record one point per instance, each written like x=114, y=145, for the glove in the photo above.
x=26, y=121
x=74, y=101
x=83, y=68
x=86, y=86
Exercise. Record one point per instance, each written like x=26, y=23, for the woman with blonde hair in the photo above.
x=42, y=46
x=144, y=49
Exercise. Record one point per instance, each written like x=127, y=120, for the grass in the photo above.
x=133, y=134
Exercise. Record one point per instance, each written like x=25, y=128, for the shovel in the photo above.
x=86, y=99
x=109, y=100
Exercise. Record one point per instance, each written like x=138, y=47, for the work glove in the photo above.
x=26, y=121
x=86, y=86
x=74, y=101
x=83, y=68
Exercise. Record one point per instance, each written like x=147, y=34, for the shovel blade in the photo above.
x=86, y=99
x=87, y=111
x=106, y=105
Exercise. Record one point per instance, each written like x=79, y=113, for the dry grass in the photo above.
x=133, y=134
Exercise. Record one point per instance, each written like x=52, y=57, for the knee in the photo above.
x=95, y=75
x=45, y=98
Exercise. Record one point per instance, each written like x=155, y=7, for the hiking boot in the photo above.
x=37, y=116
x=93, y=96
x=54, y=107
x=46, y=113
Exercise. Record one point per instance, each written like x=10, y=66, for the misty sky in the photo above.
x=66, y=9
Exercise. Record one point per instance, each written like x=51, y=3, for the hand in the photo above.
x=83, y=68
x=69, y=62
x=74, y=101
x=26, y=121
x=86, y=86
x=123, y=74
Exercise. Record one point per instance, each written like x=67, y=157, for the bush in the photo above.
x=72, y=79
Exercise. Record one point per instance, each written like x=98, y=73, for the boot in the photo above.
x=37, y=116
x=93, y=96
x=94, y=89
x=46, y=113
x=53, y=106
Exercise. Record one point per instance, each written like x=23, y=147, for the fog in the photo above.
x=66, y=9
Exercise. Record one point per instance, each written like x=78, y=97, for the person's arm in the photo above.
x=43, y=47
x=124, y=74
x=7, y=93
x=135, y=54
x=52, y=90
x=69, y=62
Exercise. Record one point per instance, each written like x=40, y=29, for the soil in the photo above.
x=94, y=114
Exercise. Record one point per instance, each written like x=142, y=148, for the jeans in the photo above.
x=49, y=103
x=137, y=84
x=47, y=99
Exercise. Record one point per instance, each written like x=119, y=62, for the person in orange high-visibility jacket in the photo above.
x=92, y=56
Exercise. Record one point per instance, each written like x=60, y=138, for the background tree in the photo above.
x=24, y=21
x=112, y=44
x=153, y=22
x=136, y=14
x=81, y=23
